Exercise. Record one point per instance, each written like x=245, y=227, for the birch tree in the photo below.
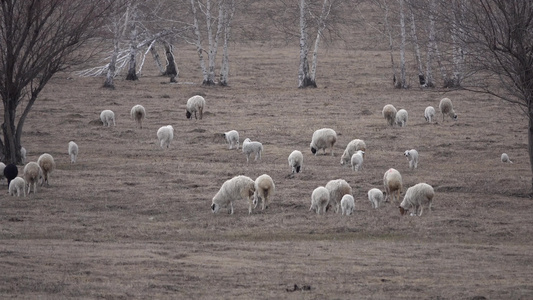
x=39, y=39
x=131, y=15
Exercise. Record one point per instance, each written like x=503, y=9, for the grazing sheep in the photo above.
x=337, y=189
x=296, y=161
x=47, y=164
x=412, y=157
x=416, y=196
x=322, y=139
x=16, y=185
x=376, y=197
x=10, y=172
x=238, y=187
x=107, y=116
x=264, y=188
x=357, y=160
x=249, y=147
x=232, y=137
x=165, y=135
x=73, y=151
x=319, y=200
x=401, y=117
x=505, y=158
x=195, y=104
x=352, y=147
x=23, y=155
x=2, y=167
x=429, y=114
x=446, y=108
x=392, y=180
x=138, y=113
x=32, y=175
x=347, y=205
x=389, y=113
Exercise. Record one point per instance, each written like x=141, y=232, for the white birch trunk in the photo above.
x=416, y=45
x=430, y=82
x=391, y=44
x=132, y=69
x=322, y=25
x=228, y=16
x=303, y=69
x=403, y=81
x=157, y=59
x=199, y=48
x=112, y=66
x=458, y=47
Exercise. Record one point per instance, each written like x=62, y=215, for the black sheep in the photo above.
x=10, y=172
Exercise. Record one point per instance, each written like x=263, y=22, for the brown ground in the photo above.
x=130, y=220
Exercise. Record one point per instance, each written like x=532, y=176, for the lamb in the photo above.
x=264, y=189
x=23, y=155
x=389, y=113
x=107, y=116
x=73, y=151
x=296, y=161
x=322, y=139
x=47, y=164
x=347, y=205
x=195, y=104
x=165, y=135
x=412, y=157
x=138, y=113
x=337, y=189
x=233, y=189
x=357, y=160
x=32, y=174
x=429, y=114
x=505, y=158
x=16, y=185
x=375, y=196
x=446, y=108
x=10, y=172
x=392, y=180
x=416, y=196
x=319, y=200
x=249, y=147
x=401, y=117
x=232, y=137
x=352, y=147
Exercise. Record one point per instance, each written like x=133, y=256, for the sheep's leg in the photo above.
x=201, y=113
x=231, y=208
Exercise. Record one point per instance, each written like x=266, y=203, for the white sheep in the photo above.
x=389, y=113
x=16, y=185
x=429, y=114
x=107, y=116
x=401, y=117
x=357, y=160
x=249, y=147
x=337, y=189
x=264, y=189
x=165, y=135
x=2, y=167
x=195, y=104
x=392, y=181
x=238, y=187
x=32, y=175
x=505, y=158
x=319, y=200
x=138, y=113
x=232, y=137
x=446, y=108
x=352, y=147
x=73, y=151
x=322, y=139
x=296, y=161
x=416, y=196
x=347, y=205
x=47, y=164
x=376, y=197
x=412, y=157
x=23, y=155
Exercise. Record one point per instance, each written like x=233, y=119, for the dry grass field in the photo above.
x=132, y=221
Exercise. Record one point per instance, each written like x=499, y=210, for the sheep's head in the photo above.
x=407, y=153
x=215, y=208
x=403, y=211
x=454, y=116
x=313, y=150
x=188, y=114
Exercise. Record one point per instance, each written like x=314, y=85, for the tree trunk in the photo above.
x=171, y=68
x=530, y=143
x=132, y=70
x=112, y=66
x=458, y=47
x=224, y=69
x=403, y=80
x=430, y=82
x=421, y=79
x=321, y=26
x=199, y=48
x=157, y=59
x=8, y=127
x=304, y=79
